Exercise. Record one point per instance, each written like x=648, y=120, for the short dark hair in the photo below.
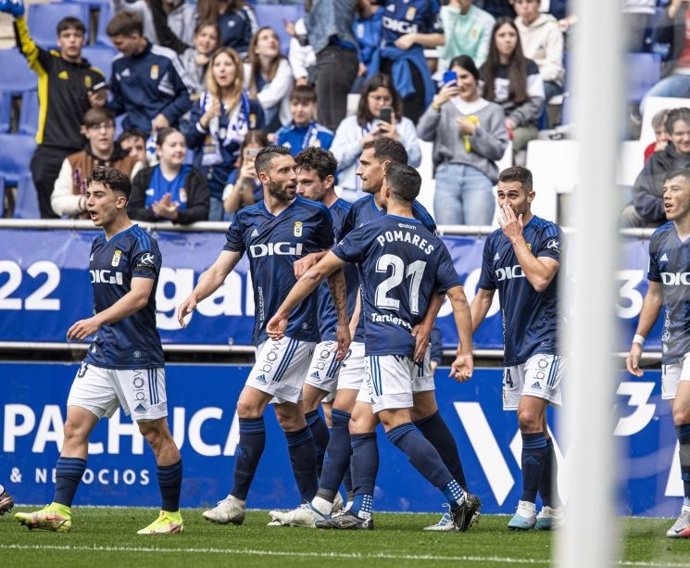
x=318, y=160
x=111, y=178
x=675, y=115
x=97, y=115
x=70, y=23
x=303, y=94
x=386, y=148
x=517, y=173
x=125, y=24
x=683, y=172
x=132, y=133
x=266, y=155
x=405, y=181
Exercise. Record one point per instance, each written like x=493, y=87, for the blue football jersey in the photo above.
x=401, y=266
x=402, y=17
x=328, y=317
x=132, y=343
x=530, y=318
x=365, y=210
x=669, y=263
x=298, y=138
x=273, y=243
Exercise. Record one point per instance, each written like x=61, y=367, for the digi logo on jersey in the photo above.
x=277, y=249
x=675, y=278
x=509, y=272
x=106, y=277
x=399, y=26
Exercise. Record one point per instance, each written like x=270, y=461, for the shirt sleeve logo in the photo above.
x=147, y=258
x=116, y=258
x=553, y=244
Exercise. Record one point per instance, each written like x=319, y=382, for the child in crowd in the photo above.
x=303, y=131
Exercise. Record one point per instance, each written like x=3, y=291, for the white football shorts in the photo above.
x=671, y=375
x=140, y=392
x=540, y=376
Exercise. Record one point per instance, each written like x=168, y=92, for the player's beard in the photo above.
x=280, y=192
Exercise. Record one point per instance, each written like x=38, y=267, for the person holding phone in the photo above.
x=469, y=137
x=379, y=114
x=243, y=187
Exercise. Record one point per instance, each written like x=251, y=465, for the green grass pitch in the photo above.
x=103, y=537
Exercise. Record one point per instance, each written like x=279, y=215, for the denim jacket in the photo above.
x=329, y=18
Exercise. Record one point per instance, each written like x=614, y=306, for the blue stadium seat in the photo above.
x=2, y=197
x=26, y=205
x=100, y=56
x=5, y=112
x=16, y=75
x=92, y=4
x=15, y=156
x=104, y=17
x=28, y=114
x=644, y=71
x=275, y=15
x=43, y=18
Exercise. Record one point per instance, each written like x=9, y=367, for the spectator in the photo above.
x=647, y=209
x=303, y=131
x=675, y=31
x=660, y=134
x=243, y=187
x=301, y=55
x=367, y=32
x=355, y=131
x=637, y=21
x=542, y=42
x=178, y=15
x=62, y=103
x=235, y=20
x=101, y=150
x=467, y=29
x=148, y=82
x=409, y=26
x=513, y=81
x=268, y=78
x=497, y=8
x=329, y=29
x=171, y=190
x=134, y=143
x=143, y=11
x=220, y=120
x=469, y=137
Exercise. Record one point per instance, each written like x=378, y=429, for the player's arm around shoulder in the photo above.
x=136, y=299
x=651, y=306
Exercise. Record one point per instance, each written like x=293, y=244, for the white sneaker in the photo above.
x=549, y=519
x=303, y=516
x=681, y=528
x=229, y=510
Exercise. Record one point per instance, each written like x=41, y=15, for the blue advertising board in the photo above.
x=45, y=287
x=121, y=469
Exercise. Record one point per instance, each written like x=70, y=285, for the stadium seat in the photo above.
x=16, y=75
x=2, y=197
x=275, y=15
x=5, y=111
x=644, y=72
x=42, y=19
x=28, y=114
x=104, y=17
x=100, y=56
x=15, y=157
x=26, y=205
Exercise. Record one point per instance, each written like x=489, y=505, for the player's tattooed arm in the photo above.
x=462, y=367
x=651, y=306
x=133, y=301
x=336, y=283
x=209, y=282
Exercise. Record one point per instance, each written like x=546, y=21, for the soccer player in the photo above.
x=275, y=232
x=316, y=170
x=401, y=266
x=669, y=266
x=521, y=261
x=124, y=365
x=6, y=502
